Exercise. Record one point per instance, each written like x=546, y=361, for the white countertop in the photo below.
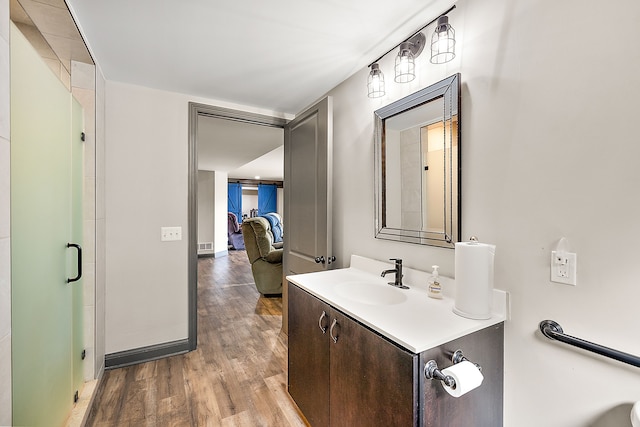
x=407, y=317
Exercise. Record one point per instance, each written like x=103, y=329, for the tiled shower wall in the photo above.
x=5, y=224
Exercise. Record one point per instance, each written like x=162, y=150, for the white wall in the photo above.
x=249, y=200
x=221, y=190
x=205, y=208
x=212, y=211
x=544, y=90
x=280, y=202
x=146, y=188
x=5, y=224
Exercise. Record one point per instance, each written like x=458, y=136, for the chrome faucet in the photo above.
x=398, y=272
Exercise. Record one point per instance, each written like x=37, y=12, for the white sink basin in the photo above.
x=397, y=314
x=371, y=293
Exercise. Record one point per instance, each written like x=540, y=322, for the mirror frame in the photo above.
x=449, y=90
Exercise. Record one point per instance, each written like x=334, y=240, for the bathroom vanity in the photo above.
x=358, y=348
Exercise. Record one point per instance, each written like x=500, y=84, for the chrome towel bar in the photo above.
x=553, y=331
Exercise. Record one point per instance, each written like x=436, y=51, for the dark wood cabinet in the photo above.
x=309, y=381
x=341, y=373
x=372, y=380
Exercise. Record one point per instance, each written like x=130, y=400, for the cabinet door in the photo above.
x=372, y=380
x=481, y=407
x=309, y=355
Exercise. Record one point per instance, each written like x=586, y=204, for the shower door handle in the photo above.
x=79, y=249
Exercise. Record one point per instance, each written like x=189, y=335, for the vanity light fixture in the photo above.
x=443, y=42
x=375, y=82
x=405, y=61
x=442, y=51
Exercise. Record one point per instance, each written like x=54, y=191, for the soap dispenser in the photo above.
x=435, y=289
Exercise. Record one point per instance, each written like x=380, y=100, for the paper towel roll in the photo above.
x=467, y=377
x=474, y=279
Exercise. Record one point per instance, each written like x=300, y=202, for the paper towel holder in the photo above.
x=431, y=371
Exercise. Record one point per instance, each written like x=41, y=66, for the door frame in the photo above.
x=196, y=110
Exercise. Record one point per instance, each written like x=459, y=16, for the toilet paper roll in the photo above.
x=635, y=415
x=474, y=279
x=467, y=377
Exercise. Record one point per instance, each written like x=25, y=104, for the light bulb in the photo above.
x=443, y=42
x=405, y=65
x=375, y=82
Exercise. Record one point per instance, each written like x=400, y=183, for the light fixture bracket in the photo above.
x=416, y=44
x=443, y=24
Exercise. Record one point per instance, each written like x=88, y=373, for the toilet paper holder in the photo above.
x=431, y=371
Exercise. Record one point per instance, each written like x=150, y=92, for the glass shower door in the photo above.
x=42, y=169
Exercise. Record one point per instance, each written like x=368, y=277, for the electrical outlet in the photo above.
x=170, y=233
x=563, y=267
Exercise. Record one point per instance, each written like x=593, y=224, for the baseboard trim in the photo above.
x=145, y=354
x=213, y=254
x=221, y=254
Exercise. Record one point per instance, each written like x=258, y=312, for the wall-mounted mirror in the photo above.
x=417, y=153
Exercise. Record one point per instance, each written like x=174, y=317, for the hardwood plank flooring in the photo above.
x=236, y=377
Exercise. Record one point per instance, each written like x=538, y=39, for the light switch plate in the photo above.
x=170, y=233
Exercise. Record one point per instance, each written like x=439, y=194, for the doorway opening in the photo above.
x=197, y=111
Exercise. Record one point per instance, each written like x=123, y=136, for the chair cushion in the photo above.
x=257, y=238
x=276, y=225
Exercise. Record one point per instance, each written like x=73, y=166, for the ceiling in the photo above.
x=278, y=56
x=240, y=149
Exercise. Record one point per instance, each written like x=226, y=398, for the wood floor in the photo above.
x=236, y=377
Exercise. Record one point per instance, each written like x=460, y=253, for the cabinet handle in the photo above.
x=322, y=316
x=333, y=325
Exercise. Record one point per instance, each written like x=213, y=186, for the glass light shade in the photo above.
x=443, y=42
x=405, y=65
x=375, y=82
